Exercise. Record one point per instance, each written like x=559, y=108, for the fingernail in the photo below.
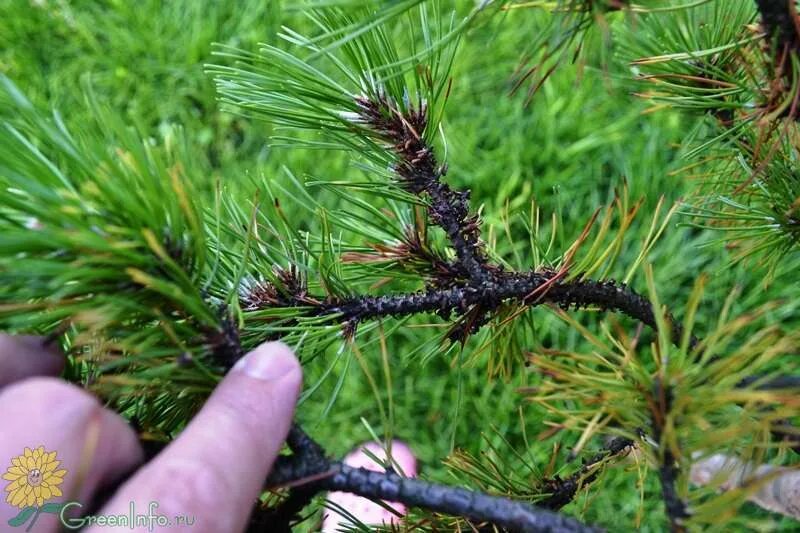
x=270, y=361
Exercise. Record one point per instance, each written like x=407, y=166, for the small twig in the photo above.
x=668, y=469
x=563, y=491
x=484, y=286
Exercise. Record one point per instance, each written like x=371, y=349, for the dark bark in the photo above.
x=531, y=288
x=477, y=288
x=563, y=491
x=419, y=172
x=513, y=516
x=308, y=463
x=782, y=25
x=668, y=470
x=780, y=21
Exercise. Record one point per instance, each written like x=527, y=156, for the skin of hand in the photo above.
x=210, y=474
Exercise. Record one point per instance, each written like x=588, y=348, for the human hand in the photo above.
x=210, y=475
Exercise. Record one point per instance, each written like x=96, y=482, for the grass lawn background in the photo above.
x=582, y=136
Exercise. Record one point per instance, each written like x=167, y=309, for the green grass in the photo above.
x=582, y=135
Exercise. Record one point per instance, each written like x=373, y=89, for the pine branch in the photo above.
x=309, y=463
x=308, y=471
x=487, y=285
x=513, y=516
x=563, y=491
x=468, y=285
x=531, y=289
x=668, y=470
x=781, y=23
x=419, y=171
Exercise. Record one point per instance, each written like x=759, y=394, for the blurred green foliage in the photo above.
x=581, y=136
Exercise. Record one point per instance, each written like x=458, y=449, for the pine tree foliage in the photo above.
x=155, y=289
x=719, y=59
x=722, y=60
x=102, y=239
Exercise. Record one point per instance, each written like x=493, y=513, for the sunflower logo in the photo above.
x=33, y=478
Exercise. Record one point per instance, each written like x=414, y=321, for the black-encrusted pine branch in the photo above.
x=781, y=23
x=513, y=516
x=668, y=470
x=476, y=287
x=530, y=288
x=419, y=172
x=469, y=287
x=563, y=491
x=308, y=463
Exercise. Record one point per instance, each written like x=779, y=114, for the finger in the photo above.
x=214, y=471
x=25, y=356
x=63, y=432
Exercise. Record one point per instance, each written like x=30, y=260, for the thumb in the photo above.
x=214, y=471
